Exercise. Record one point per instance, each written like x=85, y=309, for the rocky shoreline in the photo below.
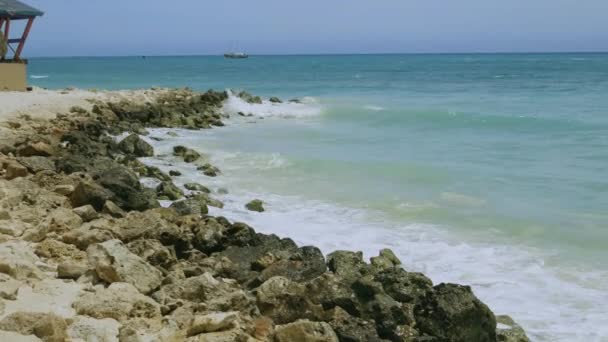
x=88, y=254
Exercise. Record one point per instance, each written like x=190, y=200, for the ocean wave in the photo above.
x=306, y=107
x=374, y=108
x=39, y=76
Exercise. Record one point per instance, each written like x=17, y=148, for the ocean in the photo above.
x=482, y=169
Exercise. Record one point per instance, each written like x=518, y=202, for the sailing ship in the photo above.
x=236, y=55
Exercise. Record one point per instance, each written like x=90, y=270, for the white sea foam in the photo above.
x=552, y=302
x=374, y=108
x=308, y=106
x=39, y=76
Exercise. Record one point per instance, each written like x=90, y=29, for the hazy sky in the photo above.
x=151, y=27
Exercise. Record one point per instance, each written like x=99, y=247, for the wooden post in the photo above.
x=26, y=32
x=7, y=28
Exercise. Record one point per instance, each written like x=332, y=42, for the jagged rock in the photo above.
x=13, y=169
x=9, y=287
x=204, y=198
x=285, y=301
x=212, y=322
x=60, y=252
x=169, y=190
x=452, y=313
x=275, y=99
x=47, y=326
x=188, y=154
x=153, y=252
x=386, y=259
x=36, y=164
x=209, y=170
x=250, y=98
x=127, y=192
x=71, y=270
x=348, y=265
x=89, y=192
x=64, y=189
x=255, y=205
x=86, y=212
x=18, y=260
x=174, y=173
x=305, y=331
x=196, y=187
x=120, y=301
x=136, y=146
x=509, y=331
x=58, y=220
x=113, y=262
x=352, y=329
x=406, y=287
x=305, y=264
x=85, y=328
x=113, y=210
x=190, y=206
x=35, y=149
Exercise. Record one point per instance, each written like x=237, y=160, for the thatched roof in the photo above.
x=16, y=9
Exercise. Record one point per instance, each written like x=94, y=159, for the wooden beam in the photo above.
x=7, y=28
x=26, y=32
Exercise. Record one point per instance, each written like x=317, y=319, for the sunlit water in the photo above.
x=488, y=170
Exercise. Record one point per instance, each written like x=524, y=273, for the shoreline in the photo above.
x=107, y=229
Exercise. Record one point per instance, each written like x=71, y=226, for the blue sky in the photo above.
x=149, y=27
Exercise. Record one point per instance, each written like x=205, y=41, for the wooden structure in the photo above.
x=12, y=66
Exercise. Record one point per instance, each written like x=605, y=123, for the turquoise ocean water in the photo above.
x=482, y=169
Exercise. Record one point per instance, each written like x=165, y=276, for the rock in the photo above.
x=255, y=205
x=120, y=301
x=127, y=192
x=84, y=328
x=153, y=252
x=509, y=331
x=9, y=287
x=71, y=270
x=10, y=336
x=113, y=262
x=18, y=260
x=35, y=149
x=250, y=98
x=209, y=170
x=174, y=173
x=113, y=210
x=196, y=187
x=14, y=170
x=64, y=189
x=222, y=191
x=78, y=110
x=47, y=295
x=348, y=265
x=89, y=192
x=188, y=154
x=136, y=146
x=275, y=99
x=386, y=259
x=403, y=286
x=86, y=212
x=190, y=207
x=47, y=326
x=205, y=199
x=36, y=164
x=59, y=252
x=305, y=331
x=285, y=301
x=216, y=321
x=169, y=190
x=352, y=329
x=452, y=313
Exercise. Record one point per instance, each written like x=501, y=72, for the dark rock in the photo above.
x=406, y=287
x=136, y=146
x=36, y=163
x=275, y=99
x=128, y=192
x=348, y=265
x=174, y=173
x=285, y=301
x=188, y=154
x=169, y=190
x=255, y=205
x=196, y=187
x=352, y=329
x=89, y=192
x=209, y=170
x=205, y=199
x=453, y=313
x=190, y=207
x=113, y=210
x=510, y=331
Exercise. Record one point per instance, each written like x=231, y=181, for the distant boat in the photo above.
x=236, y=55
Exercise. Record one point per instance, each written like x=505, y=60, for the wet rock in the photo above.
x=174, y=173
x=305, y=331
x=250, y=98
x=154, y=172
x=196, y=187
x=169, y=190
x=406, y=287
x=509, y=331
x=275, y=99
x=348, y=265
x=212, y=322
x=120, y=301
x=386, y=259
x=285, y=301
x=113, y=262
x=36, y=164
x=134, y=145
x=452, y=313
x=46, y=326
x=188, y=154
x=209, y=170
x=255, y=205
x=190, y=207
x=86, y=212
x=204, y=198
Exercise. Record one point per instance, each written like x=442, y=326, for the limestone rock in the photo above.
x=113, y=262
x=354, y=329
x=84, y=328
x=71, y=270
x=89, y=192
x=36, y=164
x=255, y=205
x=47, y=326
x=14, y=170
x=10, y=336
x=113, y=210
x=9, y=287
x=35, y=149
x=190, y=206
x=18, y=260
x=305, y=331
x=86, y=212
x=136, y=146
x=212, y=322
x=48, y=295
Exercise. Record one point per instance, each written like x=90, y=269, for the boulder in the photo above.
x=127, y=192
x=71, y=270
x=46, y=326
x=35, y=149
x=88, y=192
x=18, y=260
x=509, y=331
x=305, y=331
x=209, y=170
x=13, y=169
x=386, y=259
x=405, y=287
x=113, y=210
x=275, y=99
x=204, y=198
x=169, y=190
x=36, y=164
x=453, y=313
x=113, y=262
x=352, y=329
x=120, y=301
x=188, y=154
x=190, y=206
x=285, y=301
x=86, y=212
x=255, y=205
x=84, y=328
x=136, y=146
x=348, y=265
x=9, y=287
x=212, y=322
x=174, y=173
x=196, y=187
